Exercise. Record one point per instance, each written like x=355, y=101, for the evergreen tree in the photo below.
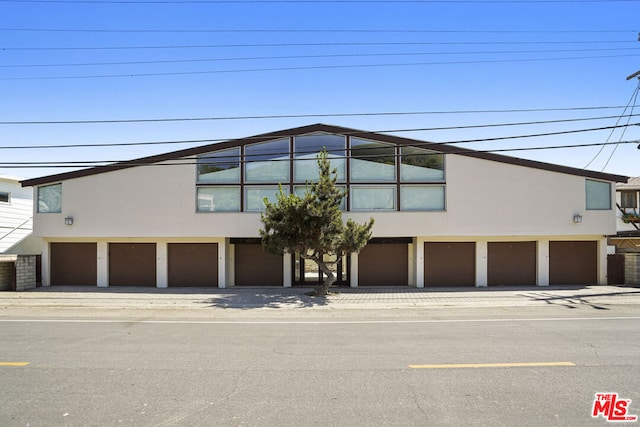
x=312, y=225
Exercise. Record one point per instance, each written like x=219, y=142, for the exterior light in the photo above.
x=68, y=220
x=577, y=218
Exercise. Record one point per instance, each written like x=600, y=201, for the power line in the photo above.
x=623, y=130
x=213, y=2
x=353, y=134
x=631, y=104
x=311, y=31
x=309, y=67
x=339, y=55
x=330, y=44
x=297, y=116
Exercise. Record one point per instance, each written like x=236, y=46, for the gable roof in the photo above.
x=443, y=148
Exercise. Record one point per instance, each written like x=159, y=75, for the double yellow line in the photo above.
x=492, y=365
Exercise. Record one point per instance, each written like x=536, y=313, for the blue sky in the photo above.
x=288, y=58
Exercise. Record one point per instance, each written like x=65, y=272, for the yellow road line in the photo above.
x=492, y=365
x=14, y=363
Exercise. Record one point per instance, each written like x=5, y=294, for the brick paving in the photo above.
x=296, y=298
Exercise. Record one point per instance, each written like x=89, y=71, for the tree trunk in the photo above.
x=323, y=289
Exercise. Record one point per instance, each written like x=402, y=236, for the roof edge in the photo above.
x=320, y=127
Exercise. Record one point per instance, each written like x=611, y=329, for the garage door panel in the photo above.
x=193, y=264
x=257, y=267
x=573, y=262
x=74, y=264
x=132, y=264
x=449, y=263
x=512, y=263
x=384, y=264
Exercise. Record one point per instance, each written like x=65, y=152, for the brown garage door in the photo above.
x=512, y=263
x=193, y=264
x=74, y=264
x=132, y=264
x=573, y=263
x=384, y=264
x=256, y=267
x=449, y=264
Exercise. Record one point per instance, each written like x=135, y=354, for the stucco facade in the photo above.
x=487, y=199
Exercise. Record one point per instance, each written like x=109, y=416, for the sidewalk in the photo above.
x=295, y=298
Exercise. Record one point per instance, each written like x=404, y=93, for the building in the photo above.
x=627, y=238
x=445, y=216
x=17, y=244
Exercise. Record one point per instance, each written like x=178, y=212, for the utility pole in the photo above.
x=637, y=73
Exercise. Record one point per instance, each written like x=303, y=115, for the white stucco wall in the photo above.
x=483, y=198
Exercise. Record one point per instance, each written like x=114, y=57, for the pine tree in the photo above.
x=312, y=225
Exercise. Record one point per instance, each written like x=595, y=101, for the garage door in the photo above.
x=193, y=264
x=132, y=264
x=449, y=264
x=512, y=263
x=573, y=263
x=74, y=264
x=385, y=264
x=256, y=267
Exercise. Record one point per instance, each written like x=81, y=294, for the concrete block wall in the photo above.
x=6, y=276
x=25, y=272
x=632, y=268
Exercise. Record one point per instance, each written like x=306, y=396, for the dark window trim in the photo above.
x=348, y=183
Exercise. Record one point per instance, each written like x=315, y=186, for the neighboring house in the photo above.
x=16, y=226
x=627, y=238
x=16, y=212
x=444, y=215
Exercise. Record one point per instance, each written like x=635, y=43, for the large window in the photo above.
x=372, y=161
x=422, y=198
x=373, y=198
x=50, y=198
x=374, y=175
x=420, y=165
x=267, y=162
x=254, y=197
x=598, y=195
x=220, y=167
x=218, y=199
x=5, y=197
x=307, y=147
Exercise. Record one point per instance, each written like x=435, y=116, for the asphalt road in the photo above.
x=297, y=371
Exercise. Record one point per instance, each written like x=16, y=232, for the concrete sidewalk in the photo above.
x=199, y=299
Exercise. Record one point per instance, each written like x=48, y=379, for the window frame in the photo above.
x=592, y=205
x=298, y=148
x=414, y=186
x=57, y=184
x=378, y=187
x=624, y=194
x=247, y=160
x=201, y=160
x=224, y=187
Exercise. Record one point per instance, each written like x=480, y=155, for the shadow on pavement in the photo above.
x=251, y=299
x=574, y=301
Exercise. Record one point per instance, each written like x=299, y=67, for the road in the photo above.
x=300, y=371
